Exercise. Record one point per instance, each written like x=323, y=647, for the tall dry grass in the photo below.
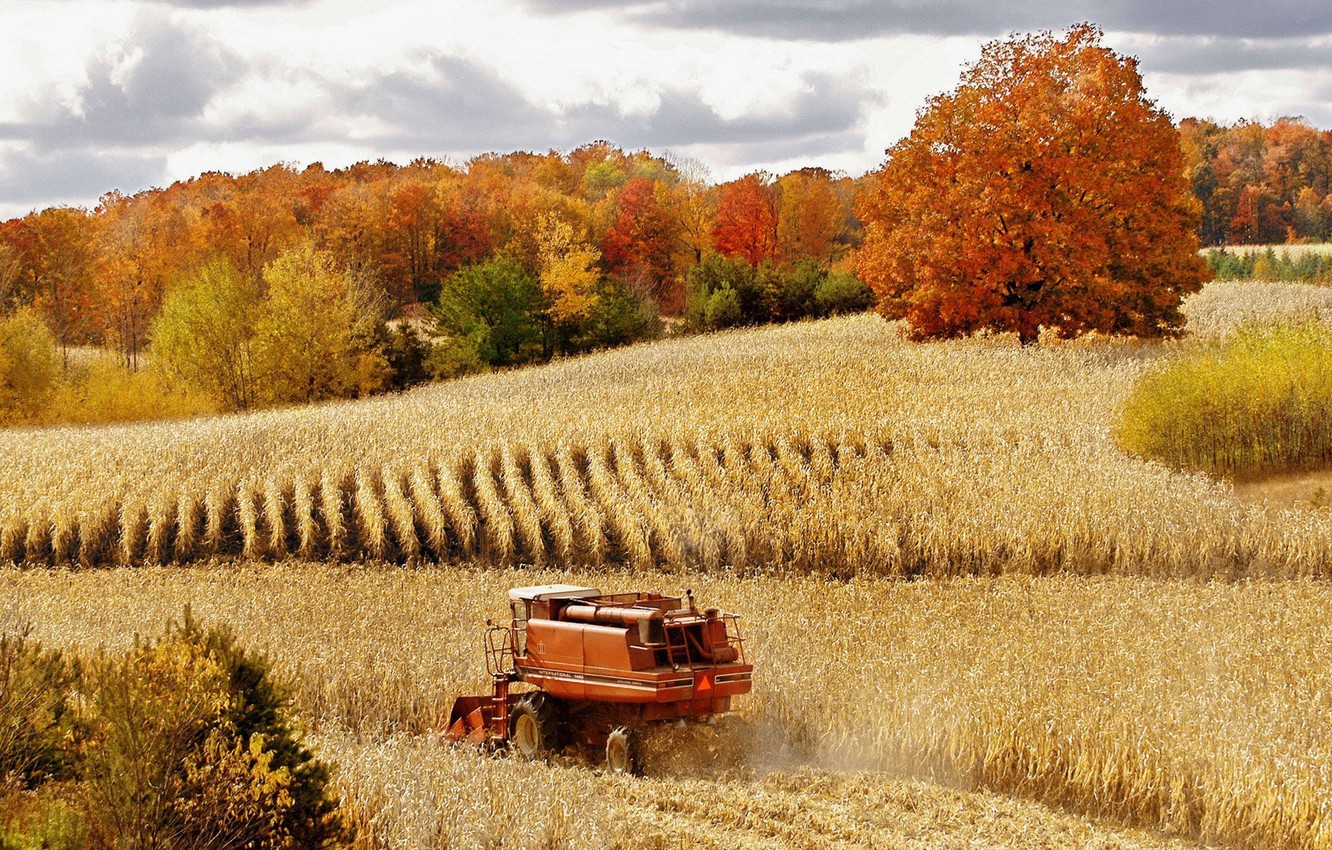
x=1257, y=405
x=1201, y=709
x=1223, y=307
x=833, y=446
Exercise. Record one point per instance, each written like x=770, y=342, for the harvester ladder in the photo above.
x=677, y=652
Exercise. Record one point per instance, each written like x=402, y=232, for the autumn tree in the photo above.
x=28, y=367
x=638, y=246
x=59, y=263
x=1046, y=190
x=314, y=330
x=746, y=224
x=141, y=241
x=568, y=269
x=204, y=335
x=11, y=264
x=692, y=208
x=810, y=217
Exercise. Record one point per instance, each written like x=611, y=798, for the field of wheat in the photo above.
x=836, y=447
x=1201, y=709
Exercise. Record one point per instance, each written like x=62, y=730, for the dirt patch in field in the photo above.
x=1312, y=490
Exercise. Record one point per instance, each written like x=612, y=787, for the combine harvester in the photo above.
x=600, y=668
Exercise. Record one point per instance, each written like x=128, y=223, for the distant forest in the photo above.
x=100, y=276
x=1260, y=184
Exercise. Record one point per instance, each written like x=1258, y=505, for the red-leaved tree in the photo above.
x=1046, y=190
x=747, y=220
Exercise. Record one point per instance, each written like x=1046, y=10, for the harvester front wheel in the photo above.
x=622, y=753
x=534, y=727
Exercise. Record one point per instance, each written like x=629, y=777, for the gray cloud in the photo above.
x=73, y=176
x=1212, y=55
x=468, y=107
x=159, y=100
x=839, y=20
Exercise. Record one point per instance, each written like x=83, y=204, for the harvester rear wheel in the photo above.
x=534, y=727
x=622, y=752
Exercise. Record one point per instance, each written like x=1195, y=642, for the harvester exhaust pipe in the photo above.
x=651, y=624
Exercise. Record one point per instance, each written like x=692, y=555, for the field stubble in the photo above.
x=833, y=448
x=1200, y=709
x=836, y=447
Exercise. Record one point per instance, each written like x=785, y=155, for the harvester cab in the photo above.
x=578, y=666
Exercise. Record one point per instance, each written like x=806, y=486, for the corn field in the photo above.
x=1063, y=681
x=1199, y=709
x=834, y=447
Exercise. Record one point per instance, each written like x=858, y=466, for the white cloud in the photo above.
x=135, y=93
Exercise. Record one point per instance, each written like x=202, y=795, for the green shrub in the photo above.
x=184, y=742
x=842, y=292
x=618, y=316
x=192, y=739
x=1296, y=264
x=490, y=314
x=35, y=714
x=1259, y=403
x=723, y=309
x=714, y=274
x=795, y=290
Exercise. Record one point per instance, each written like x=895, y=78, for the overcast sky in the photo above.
x=98, y=95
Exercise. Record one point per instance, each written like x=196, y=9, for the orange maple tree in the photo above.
x=747, y=220
x=1046, y=190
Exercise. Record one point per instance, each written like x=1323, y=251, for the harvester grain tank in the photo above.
x=578, y=666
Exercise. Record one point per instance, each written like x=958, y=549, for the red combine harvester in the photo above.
x=603, y=666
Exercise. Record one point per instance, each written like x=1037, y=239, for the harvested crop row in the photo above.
x=872, y=504
x=834, y=446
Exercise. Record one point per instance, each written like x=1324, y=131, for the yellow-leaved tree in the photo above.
x=568, y=267
x=29, y=367
x=314, y=335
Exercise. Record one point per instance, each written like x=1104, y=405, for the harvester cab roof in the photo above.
x=597, y=667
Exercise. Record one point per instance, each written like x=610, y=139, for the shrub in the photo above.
x=407, y=355
x=194, y=739
x=28, y=367
x=714, y=274
x=842, y=292
x=187, y=741
x=35, y=715
x=795, y=290
x=105, y=391
x=1259, y=403
x=723, y=309
x=1292, y=264
x=618, y=316
x=494, y=314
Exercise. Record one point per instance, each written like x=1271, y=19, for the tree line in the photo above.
x=444, y=269
x=100, y=276
x=1260, y=184
x=294, y=285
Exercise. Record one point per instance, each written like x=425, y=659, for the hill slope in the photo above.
x=834, y=446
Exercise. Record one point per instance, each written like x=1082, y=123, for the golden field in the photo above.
x=1101, y=652
x=836, y=447
x=1203, y=709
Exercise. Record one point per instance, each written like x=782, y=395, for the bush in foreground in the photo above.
x=1260, y=403
x=186, y=741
